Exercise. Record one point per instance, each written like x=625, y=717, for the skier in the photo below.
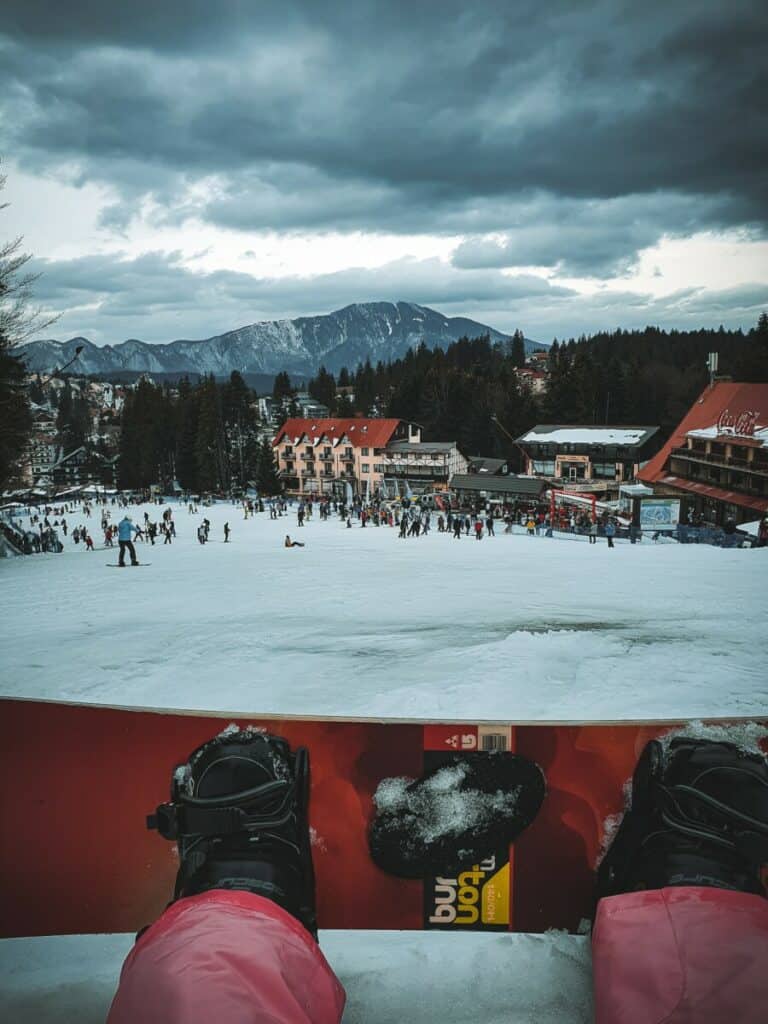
x=201, y=534
x=457, y=528
x=610, y=532
x=125, y=530
x=226, y=533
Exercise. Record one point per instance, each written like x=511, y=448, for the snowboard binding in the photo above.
x=454, y=815
x=239, y=814
x=698, y=817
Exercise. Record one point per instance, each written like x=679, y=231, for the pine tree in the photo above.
x=517, y=349
x=282, y=387
x=267, y=478
x=323, y=387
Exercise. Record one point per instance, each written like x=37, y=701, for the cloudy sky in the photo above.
x=180, y=168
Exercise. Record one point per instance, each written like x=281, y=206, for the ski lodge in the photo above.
x=587, y=458
x=716, y=461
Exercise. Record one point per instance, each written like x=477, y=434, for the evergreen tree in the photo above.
x=323, y=387
x=282, y=387
x=267, y=478
x=210, y=457
x=517, y=349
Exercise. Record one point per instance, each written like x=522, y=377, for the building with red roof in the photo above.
x=716, y=461
x=322, y=456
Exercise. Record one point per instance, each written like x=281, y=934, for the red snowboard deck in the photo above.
x=78, y=781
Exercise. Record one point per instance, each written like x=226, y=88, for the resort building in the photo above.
x=589, y=458
x=338, y=456
x=716, y=461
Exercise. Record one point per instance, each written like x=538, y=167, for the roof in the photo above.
x=421, y=446
x=724, y=401
x=718, y=493
x=553, y=433
x=479, y=464
x=527, y=485
x=358, y=430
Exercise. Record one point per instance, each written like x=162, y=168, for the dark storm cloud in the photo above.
x=436, y=117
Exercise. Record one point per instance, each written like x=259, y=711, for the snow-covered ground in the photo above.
x=390, y=977
x=362, y=623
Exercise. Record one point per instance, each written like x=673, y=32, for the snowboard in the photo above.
x=78, y=782
x=128, y=565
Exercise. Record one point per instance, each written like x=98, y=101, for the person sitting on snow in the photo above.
x=292, y=543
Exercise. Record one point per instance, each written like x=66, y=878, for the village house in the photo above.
x=84, y=466
x=421, y=466
x=534, y=379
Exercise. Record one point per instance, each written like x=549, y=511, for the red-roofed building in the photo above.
x=716, y=461
x=323, y=456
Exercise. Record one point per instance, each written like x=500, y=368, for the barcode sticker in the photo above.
x=494, y=738
x=494, y=741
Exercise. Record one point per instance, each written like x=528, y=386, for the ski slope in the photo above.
x=361, y=623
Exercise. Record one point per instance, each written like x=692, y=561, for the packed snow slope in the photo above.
x=390, y=977
x=361, y=623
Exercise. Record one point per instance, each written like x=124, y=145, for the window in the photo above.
x=365, y=467
x=364, y=451
x=604, y=470
x=545, y=466
x=309, y=450
x=378, y=469
x=327, y=452
x=288, y=449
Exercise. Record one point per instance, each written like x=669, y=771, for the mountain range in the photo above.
x=370, y=330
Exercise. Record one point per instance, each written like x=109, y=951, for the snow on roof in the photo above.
x=588, y=435
x=760, y=434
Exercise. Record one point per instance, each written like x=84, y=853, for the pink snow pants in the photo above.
x=681, y=956
x=226, y=957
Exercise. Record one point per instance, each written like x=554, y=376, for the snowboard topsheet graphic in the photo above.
x=79, y=780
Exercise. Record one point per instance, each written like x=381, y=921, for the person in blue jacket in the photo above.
x=125, y=534
x=610, y=532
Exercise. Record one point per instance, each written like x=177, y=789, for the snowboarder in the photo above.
x=226, y=533
x=288, y=543
x=679, y=881
x=125, y=532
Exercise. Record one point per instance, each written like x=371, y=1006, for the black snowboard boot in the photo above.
x=455, y=815
x=699, y=817
x=239, y=813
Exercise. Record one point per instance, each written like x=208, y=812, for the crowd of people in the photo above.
x=52, y=525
